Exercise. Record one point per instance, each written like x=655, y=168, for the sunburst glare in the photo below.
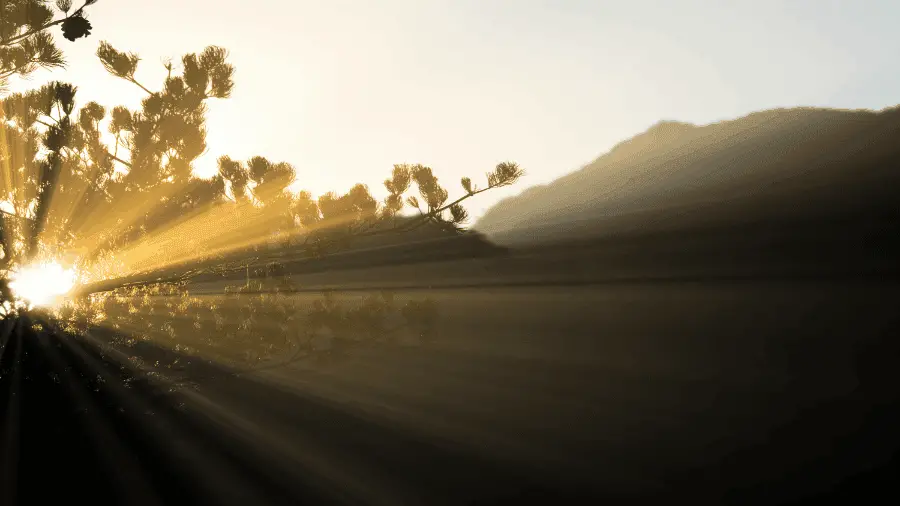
x=42, y=284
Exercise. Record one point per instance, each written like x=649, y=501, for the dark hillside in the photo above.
x=784, y=164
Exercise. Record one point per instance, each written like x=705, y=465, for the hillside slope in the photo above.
x=781, y=164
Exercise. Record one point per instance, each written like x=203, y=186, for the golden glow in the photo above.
x=42, y=284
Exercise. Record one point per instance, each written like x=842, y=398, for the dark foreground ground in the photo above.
x=763, y=388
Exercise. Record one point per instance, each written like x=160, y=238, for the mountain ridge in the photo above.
x=675, y=164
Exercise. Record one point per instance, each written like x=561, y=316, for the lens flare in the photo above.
x=42, y=284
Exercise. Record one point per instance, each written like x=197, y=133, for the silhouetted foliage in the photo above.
x=25, y=41
x=112, y=191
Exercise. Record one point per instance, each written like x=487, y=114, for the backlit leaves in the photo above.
x=467, y=184
x=65, y=96
x=235, y=173
x=505, y=174
x=432, y=192
x=195, y=77
x=117, y=63
x=305, y=209
x=219, y=71
x=40, y=51
x=121, y=119
x=459, y=214
x=90, y=114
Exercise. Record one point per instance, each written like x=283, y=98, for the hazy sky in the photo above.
x=343, y=89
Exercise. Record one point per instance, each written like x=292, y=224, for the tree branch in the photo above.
x=16, y=216
x=17, y=38
x=141, y=86
x=116, y=158
x=424, y=217
x=9, y=73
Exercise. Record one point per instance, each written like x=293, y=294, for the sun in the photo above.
x=42, y=284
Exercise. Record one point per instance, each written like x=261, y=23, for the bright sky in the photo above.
x=343, y=89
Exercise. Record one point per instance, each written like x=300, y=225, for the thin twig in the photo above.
x=141, y=86
x=116, y=158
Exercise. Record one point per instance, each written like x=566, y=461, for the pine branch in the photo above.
x=424, y=218
x=141, y=86
x=17, y=38
x=20, y=69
